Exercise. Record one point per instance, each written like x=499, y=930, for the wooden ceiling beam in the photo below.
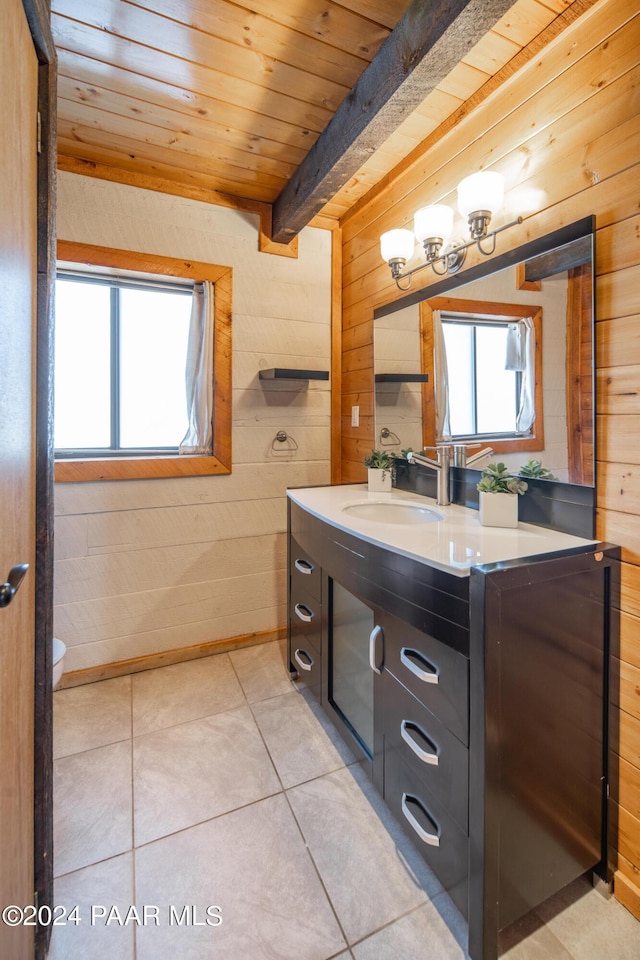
x=427, y=43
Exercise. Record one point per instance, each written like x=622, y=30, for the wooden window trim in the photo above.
x=579, y=385
x=521, y=279
x=481, y=308
x=136, y=468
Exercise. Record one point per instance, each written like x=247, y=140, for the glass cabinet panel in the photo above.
x=351, y=677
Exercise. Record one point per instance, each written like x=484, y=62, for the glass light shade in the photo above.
x=397, y=245
x=433, y=221
x=480, y=191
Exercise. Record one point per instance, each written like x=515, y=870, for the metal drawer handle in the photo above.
x=303, y=612
x=433, y=839
x=427, y=676
x=303, y=666
x=303, y=566
x=373, y=637
x=427, y=756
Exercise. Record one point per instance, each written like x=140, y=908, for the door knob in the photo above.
x=9, y=589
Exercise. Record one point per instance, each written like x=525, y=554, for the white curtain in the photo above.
x=199, y=373
x=516, y=347
x=441, y=386
x=527, y=405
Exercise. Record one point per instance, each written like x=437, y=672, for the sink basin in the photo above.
x=392, y=511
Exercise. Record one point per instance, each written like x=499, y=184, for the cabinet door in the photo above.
x=350, y=675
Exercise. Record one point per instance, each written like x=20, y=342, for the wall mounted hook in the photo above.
x=283, y=437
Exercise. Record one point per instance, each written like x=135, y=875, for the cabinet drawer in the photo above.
x=436, y=835
x=434, y=673
x=308, y=663
x=305, y=619
x=306, y=575
x=305, y=640
x=435, y=755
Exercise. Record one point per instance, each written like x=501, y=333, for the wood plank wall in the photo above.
x=146, y=566
x=565, y=132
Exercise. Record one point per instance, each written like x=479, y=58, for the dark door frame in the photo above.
x=38, y=17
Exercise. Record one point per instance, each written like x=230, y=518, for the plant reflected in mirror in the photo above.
x=535, y=470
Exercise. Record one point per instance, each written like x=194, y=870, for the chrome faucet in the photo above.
x=460, y=458
x=441, y=466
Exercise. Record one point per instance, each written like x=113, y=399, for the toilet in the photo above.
x=59, y=650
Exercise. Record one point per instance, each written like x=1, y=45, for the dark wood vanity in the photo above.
x=477, y=703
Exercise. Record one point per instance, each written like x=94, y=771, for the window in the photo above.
x=483, y=395
x=468, y=347
x=121, y=349
x=124, y=357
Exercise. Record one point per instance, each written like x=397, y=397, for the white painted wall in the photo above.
x=144, y=566
x=398, y=406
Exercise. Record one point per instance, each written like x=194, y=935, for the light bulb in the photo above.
x=479, y=198
x=435, y=221
x=397, y=245
x=480, y=191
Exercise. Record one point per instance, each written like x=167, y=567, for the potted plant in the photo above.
x=499, y=496
x=380, y=464
x=534, y=470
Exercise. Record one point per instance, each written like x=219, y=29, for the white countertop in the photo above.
x=454, y=544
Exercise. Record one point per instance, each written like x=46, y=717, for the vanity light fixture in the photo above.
x=480, y=197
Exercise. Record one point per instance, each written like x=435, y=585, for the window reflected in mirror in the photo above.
x=484, y=389
x=487, y=372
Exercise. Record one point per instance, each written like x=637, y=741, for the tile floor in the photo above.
x=215, y=783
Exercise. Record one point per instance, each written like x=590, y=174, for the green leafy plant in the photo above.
x=535, y=470
x=380, y=460
x=496, y=478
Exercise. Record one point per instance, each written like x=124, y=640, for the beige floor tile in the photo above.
x=92, y=806
x=302, y=745
x=198, y=770
x=253, y=864
x=91, y=715
x=262, y=670
x=372, y=876
x=529, y=939
x=202, y=760
x=184, y=691
x=422, y=934
x=102, y=885
x=589, y=926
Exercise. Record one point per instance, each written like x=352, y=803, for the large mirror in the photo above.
x=501, y=357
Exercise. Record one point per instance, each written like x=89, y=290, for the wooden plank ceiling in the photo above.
x=229, y=97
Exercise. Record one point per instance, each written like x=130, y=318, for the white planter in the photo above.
x=499, y=509
x=379, y=481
